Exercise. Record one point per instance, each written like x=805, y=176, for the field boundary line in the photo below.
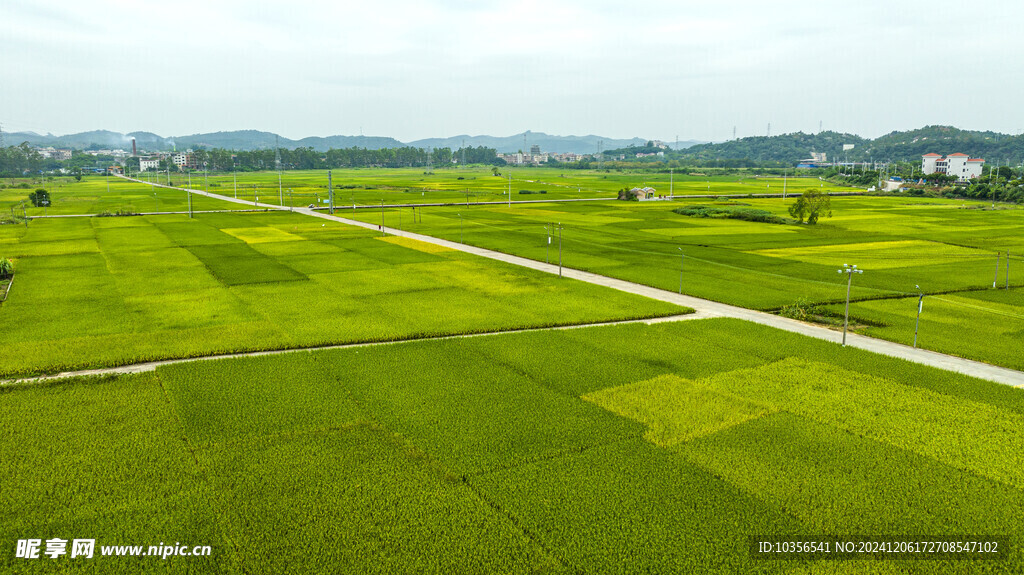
x=149, y=366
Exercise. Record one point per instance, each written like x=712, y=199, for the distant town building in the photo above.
x=184, y=160
x=817, y=160
x=152, y=163
x=536, y=158
x=113, y=153
x=962, y=166
x=54, y=154
x=535, y=149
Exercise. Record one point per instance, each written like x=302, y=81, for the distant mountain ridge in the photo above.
x=257, y=140
x=786, y=148
x=588, y=144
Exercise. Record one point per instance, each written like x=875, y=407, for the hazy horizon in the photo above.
x=415, y=70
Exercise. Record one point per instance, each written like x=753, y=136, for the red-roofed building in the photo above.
x=960, y=165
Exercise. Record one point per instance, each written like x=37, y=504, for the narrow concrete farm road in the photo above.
x=152, y=365
x=704, y=308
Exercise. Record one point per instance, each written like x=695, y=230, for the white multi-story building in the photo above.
x=149, y=164
x=962, y=166
x=184, y=160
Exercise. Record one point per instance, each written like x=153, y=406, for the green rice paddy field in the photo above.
x=661, y=448
x=93, y=292
x=947, y=247
x=370, y=186
x=92, y=196
x=665, y=448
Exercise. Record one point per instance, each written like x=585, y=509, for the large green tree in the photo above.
x=811, y=205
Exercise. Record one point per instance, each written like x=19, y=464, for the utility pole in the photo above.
x=784, y=184
x=682, y=257
x=291, y=205
x=234, y=179
x=382, y=234
x=920, y=306
x=280, y=191
x=559, y=249
x=849, y=271
x=992, y=188
x=671, y=184
x=462, y=231
x=330, y=195
x=510, y=188
x=996, y=279
x=547, y=253
x=1007, y=270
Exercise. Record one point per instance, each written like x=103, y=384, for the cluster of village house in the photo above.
x=960, y=165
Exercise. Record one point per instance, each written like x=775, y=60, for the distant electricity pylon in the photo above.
x=277, y=154
x=463, y=152
x=769, y=129
x=600, y=153
x=430, y=161
x=734, y=132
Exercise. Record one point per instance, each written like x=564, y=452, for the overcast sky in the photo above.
x=415, y=69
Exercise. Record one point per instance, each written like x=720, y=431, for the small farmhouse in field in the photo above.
x=645, y=193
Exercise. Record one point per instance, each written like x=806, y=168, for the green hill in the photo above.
x=895, y=146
